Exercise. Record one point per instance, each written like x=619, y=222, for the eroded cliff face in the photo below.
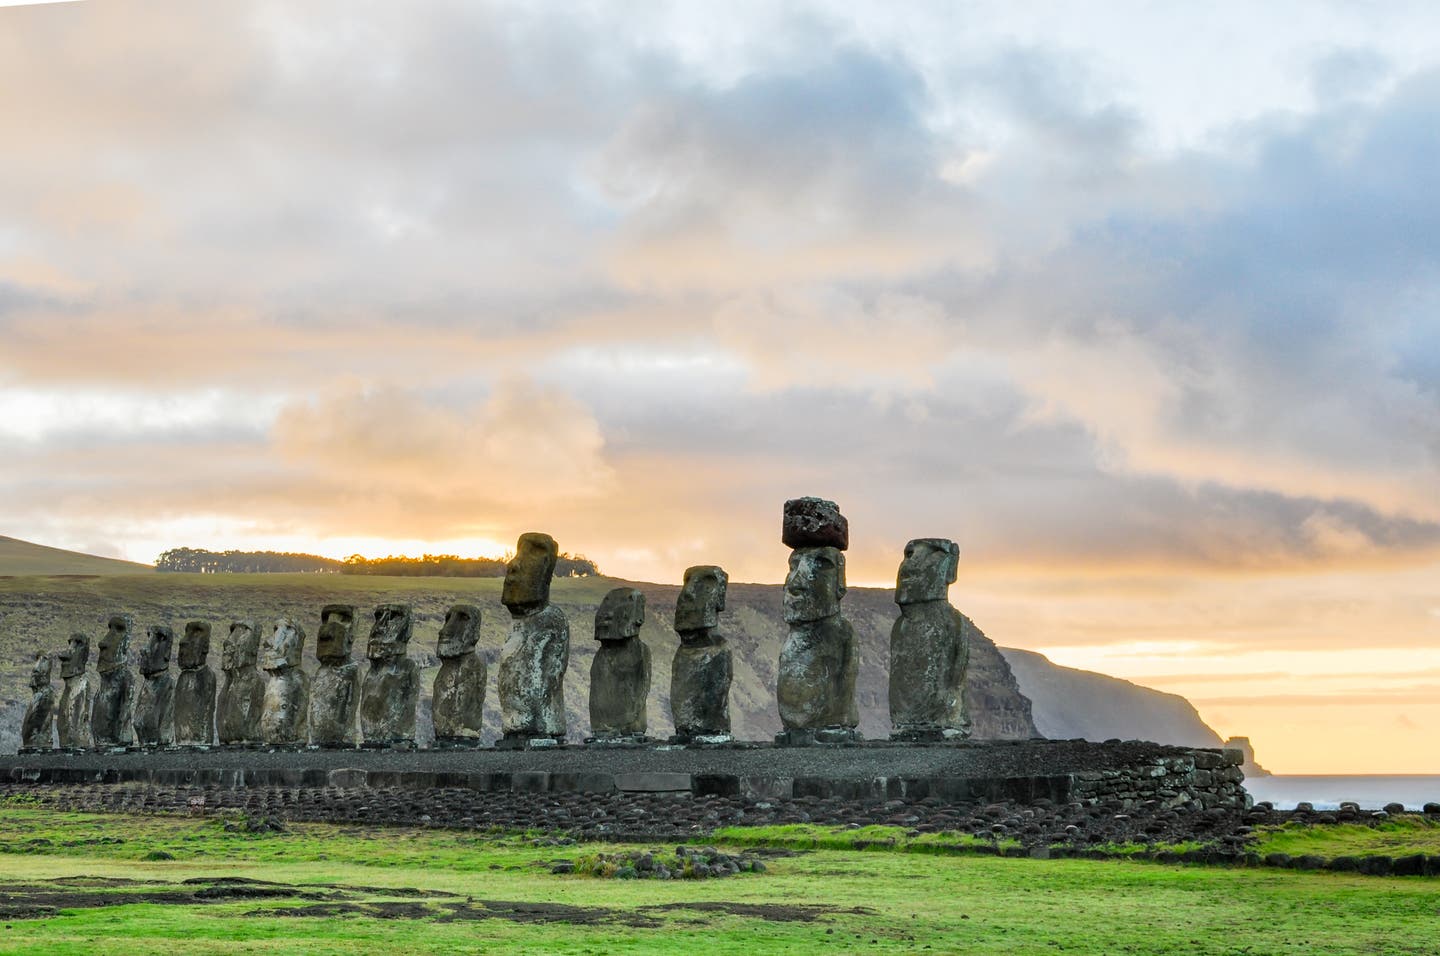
x=1071, y=703
x=997, y=707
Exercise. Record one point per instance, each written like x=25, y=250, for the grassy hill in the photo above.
x=23, y=558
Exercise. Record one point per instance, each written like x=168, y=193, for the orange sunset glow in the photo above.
x=1156, y=342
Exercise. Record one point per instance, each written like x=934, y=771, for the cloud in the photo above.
x=522, y=448
x=960, y=288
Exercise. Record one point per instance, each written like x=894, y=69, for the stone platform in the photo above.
x=1119, y=773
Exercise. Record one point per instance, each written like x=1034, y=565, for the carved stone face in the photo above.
x=620, y=615
x=195, y=645
x=241, y=647
x=283, y=649
x=927, y=571
x=336, y=634
x=815, y=584
x=702, y=598
x=390, y=634
x=40, y=676
x=460, y=632
x=115, y=645
x=75, y=655
x=527, y=576
x=155, y=658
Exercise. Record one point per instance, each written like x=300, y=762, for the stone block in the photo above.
x=653, y=782
x=487, y=782
x=583, y=782
x=530, y=781
x=814, y=523
x=346, y=778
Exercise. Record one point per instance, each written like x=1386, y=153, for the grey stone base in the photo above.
x=633, y=742
x=928, y=735
x=455, y=743
x=1122, y=774
x=809, y=738
x=527, y=742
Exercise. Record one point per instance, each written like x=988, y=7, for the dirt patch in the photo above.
x=528, y=912
x=773, y=912
x=468, y=911
x=47, y=897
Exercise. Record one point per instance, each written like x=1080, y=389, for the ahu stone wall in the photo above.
x=1211, y=778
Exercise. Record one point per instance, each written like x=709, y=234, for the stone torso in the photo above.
x=530, y=676
x=35, y=727
x=458, y=700
x=72, y=722
x=388, y=700
x=334, y=698
x=285, y=708
x=238, y=707
x=155, y=710
x=112, y=708
x=195, y=707
x=619, y=687
x=928, y=656
x=700, y=689
x=818, y=666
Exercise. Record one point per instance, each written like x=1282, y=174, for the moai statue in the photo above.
x=155, y=710
x=112, y=709
x=820, y=660
x=702, y=669
x=335, y=688
x=928, y=648
x=72, y=723
x=620, y=672
x=195, y=688
x=37, y=728
x=530, y=680
x=287, y=689
x=391, y=691
x=458, y=700
x=242, y=694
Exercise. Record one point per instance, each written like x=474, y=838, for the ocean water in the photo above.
x=1326, y=792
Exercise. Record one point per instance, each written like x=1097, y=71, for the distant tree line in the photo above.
x=200, y=561
x=452, y=566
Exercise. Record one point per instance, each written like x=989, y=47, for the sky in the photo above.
x=1138, y=302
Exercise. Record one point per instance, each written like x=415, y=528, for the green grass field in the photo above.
x=72, y=883
x=24, y=558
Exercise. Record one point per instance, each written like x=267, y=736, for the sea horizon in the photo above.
x=1327, y=791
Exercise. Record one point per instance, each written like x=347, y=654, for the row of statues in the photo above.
x=286, y=707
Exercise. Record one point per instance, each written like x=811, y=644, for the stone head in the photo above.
x=283, y=649
x=620, y=615
x=115, y=645
x=460, y=632
x=195, y=645
x=155, y=658
x=527, y=576
x=241, y=648
x=815, y=584
x=390, y=634
x=40, y=676
x=336, y=634
x=702, y=598
x=927, y=571
x=75, y=655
